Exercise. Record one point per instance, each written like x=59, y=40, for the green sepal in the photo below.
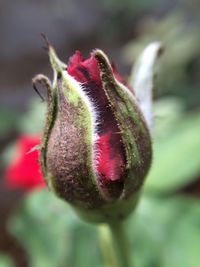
x=133, y=129
x=67, y=145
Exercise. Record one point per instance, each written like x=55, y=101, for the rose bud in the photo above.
x=96, y=148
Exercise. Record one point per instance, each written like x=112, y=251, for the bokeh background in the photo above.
x=38, y=230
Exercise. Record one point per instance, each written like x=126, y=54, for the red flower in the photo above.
x=24, y=170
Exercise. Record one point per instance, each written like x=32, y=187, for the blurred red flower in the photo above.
x=23, y=172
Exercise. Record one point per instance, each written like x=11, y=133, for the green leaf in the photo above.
x=5, y=261
x=176, y=156
x=182, y=245
x=33, y=121
x=52, y=234
x=165, y=232
x=159, y=229
x=8, y=120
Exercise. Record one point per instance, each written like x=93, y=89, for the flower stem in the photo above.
x=120, y=244
x=114, y=245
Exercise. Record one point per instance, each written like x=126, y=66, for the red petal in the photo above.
x=110, y=163
x=83, y=70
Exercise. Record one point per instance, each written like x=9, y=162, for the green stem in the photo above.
x=120, y=244
x=114, y=245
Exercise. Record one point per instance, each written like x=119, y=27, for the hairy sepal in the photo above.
x=133, y=129
x=67, y=152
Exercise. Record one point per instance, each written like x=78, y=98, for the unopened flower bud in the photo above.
x=96, y=148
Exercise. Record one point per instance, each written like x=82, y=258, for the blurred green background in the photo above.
x=38, y=230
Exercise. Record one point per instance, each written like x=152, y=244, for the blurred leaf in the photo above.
x=148, y=228
x=165, y=232
x=129, y=6
x=8, y=153
x=178, y=65
x=33, y=122
x=176, y=156
x=8, y=120
x=5, y=261
x=168, y=111
x=182, y=246
x=181, y=41
x=52, y=234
